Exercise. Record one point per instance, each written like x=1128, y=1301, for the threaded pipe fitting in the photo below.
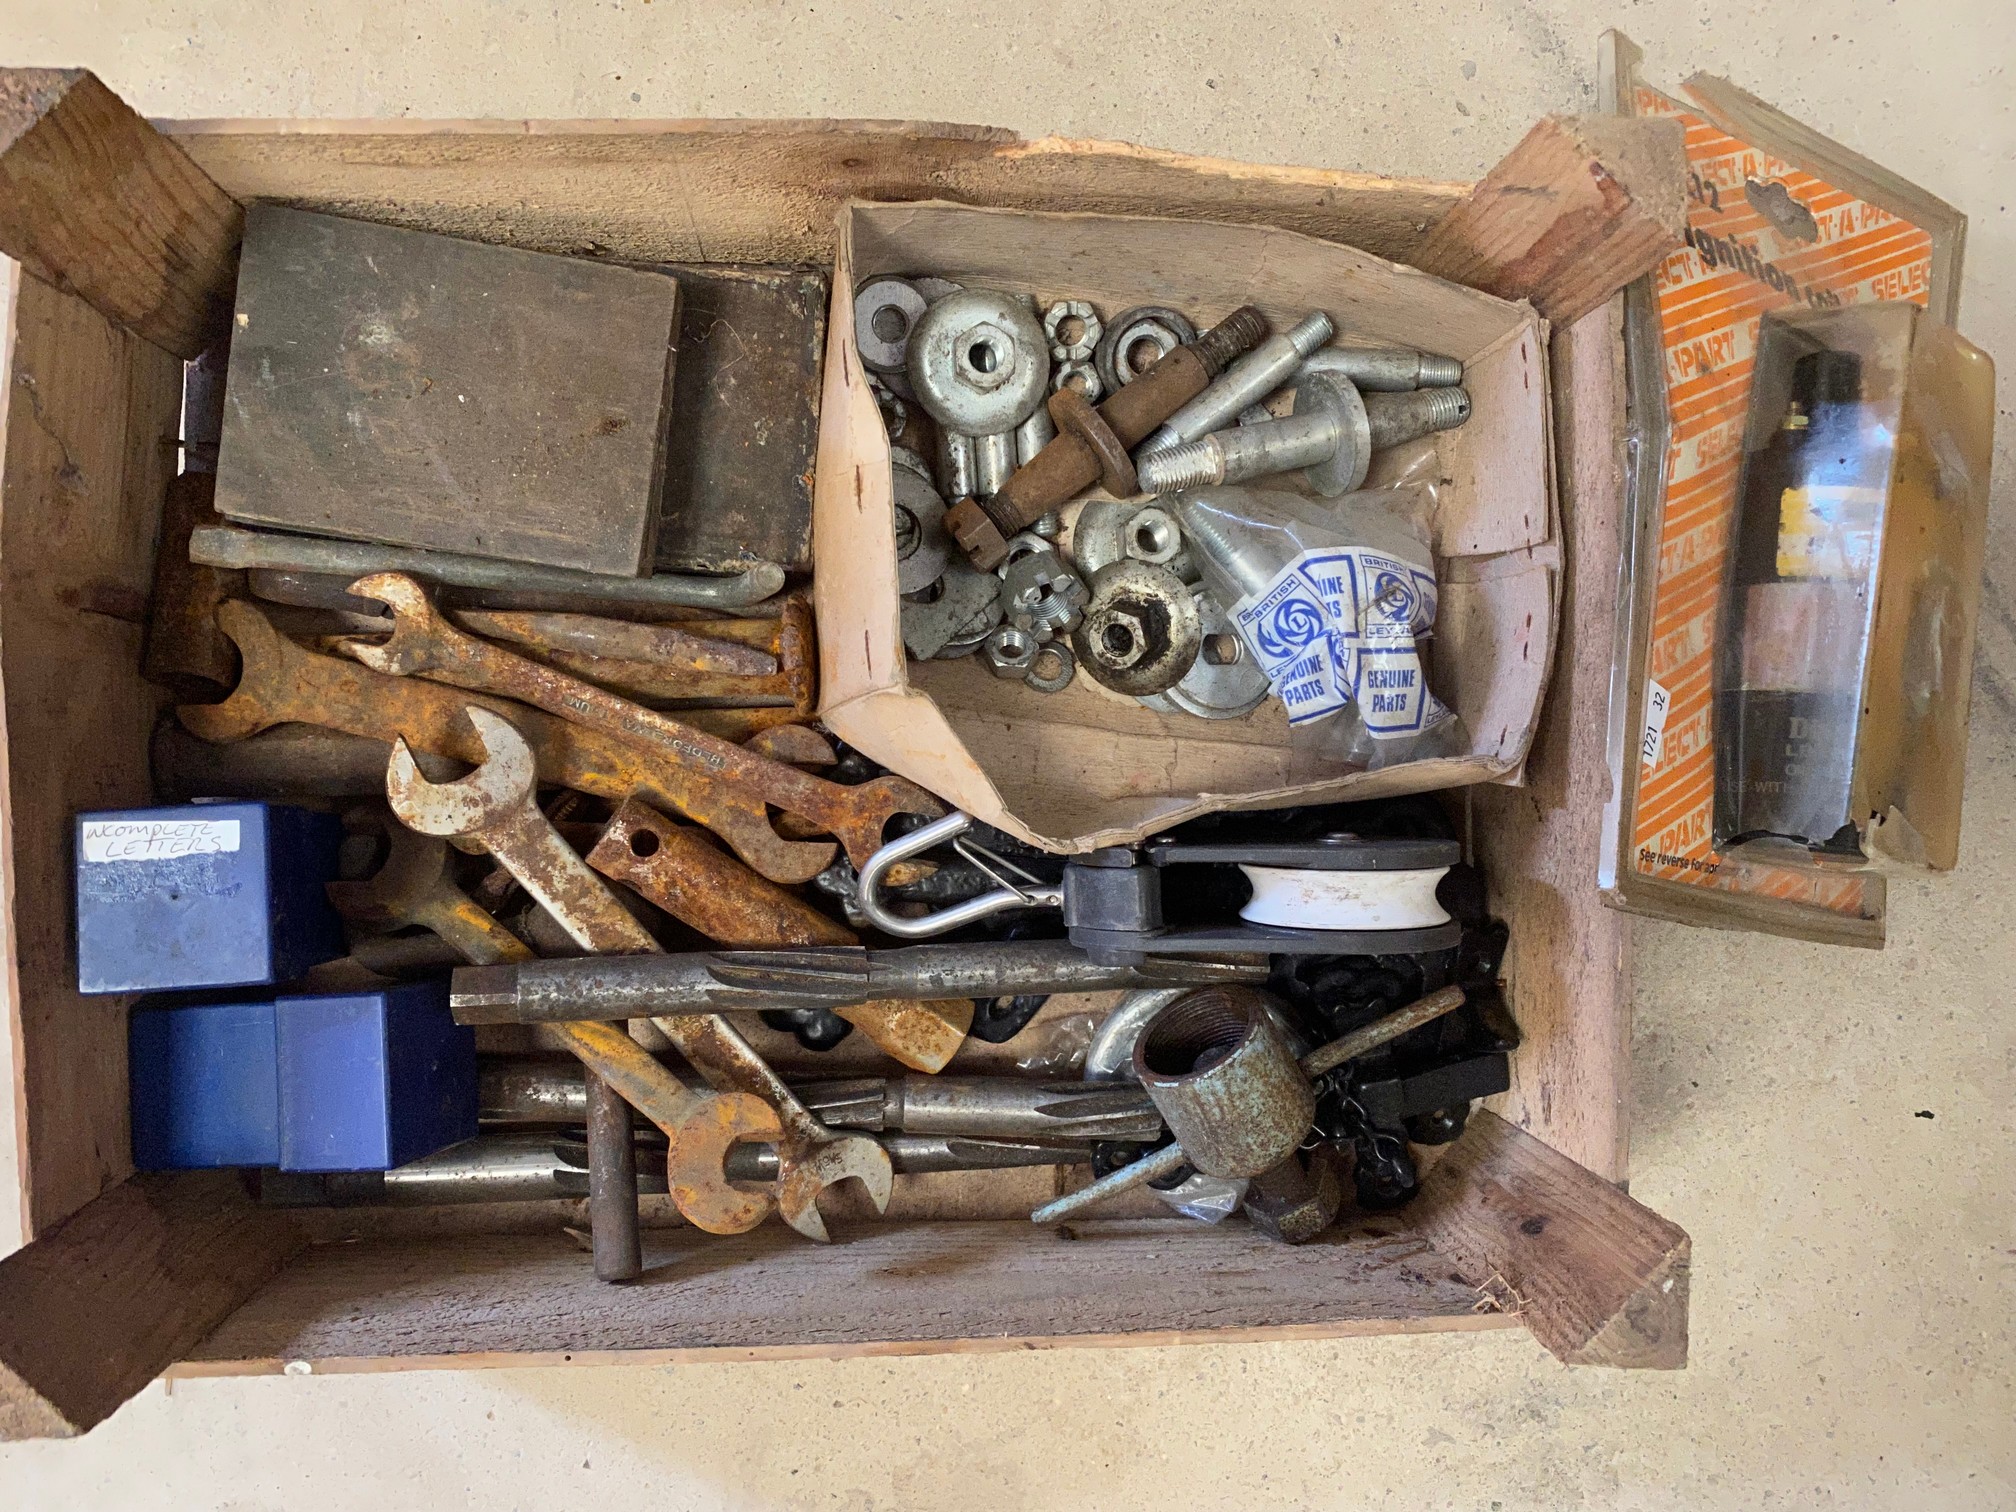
x=1238, y=333
x=1394, y=418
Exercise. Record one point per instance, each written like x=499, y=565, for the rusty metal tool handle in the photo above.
x=667, y=647
x=715, y=783
x=683, y=873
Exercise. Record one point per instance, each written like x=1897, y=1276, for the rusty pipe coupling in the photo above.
x=1225, y=1081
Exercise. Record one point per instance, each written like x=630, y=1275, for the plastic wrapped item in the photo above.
x=1853, y=582
x=1334, y=598
x=1782, y=225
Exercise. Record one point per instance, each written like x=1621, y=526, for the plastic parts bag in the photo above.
x=1335, y=599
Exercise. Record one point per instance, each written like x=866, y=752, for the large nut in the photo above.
x=886, y=310
x=1042, y=595
x=1141, y=630
x=1293, y=1203
x=1136, y=341
x=979, y=362
x=1009, y=651
x=1154, y=537
x=1073, y=328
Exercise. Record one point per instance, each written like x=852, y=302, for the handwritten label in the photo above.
x=157, y=839
x=1657, y=702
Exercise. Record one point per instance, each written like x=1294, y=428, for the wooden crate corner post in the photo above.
x=100, y=204
x=1598, y=1278
x=1581, y=207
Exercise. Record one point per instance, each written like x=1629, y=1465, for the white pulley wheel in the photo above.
x=1289, y=897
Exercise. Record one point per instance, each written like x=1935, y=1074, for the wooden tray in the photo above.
x=126, y=244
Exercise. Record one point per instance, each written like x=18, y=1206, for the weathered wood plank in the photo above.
x=764, y=191
x=428, y=391
x=89, y=418
x=94, y=1310
x=1600, y=1279
x=1567, y=968
x=1583, y=205
x=97, y=202
x=917, y=1287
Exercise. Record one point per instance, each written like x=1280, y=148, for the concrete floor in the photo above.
x=1853, y=1256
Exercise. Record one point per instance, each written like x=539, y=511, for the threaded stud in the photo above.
x=1235, y=335
x=1440, y=372
x=1193, y=465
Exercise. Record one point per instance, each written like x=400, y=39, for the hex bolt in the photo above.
x=1251, y=378
x=1332, y=435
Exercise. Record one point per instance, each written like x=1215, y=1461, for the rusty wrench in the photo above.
x=414, y=887
x=281, y=682
x=680, y=870
x=495, y=804
x=722, y=786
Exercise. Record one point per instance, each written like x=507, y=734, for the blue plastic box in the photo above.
x=372, y=1080
x=205, y=1086
x=204, y=895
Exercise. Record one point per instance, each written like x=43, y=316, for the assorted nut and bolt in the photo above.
x=1032, y=412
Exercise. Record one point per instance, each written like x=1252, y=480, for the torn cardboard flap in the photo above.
x=1085, y=768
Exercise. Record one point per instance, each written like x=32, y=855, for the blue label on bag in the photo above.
x=1337, y=627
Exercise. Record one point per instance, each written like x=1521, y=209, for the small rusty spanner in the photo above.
x=281, y=682
x=724, y=787
x=495, y=804
x=680, y=870
x=414, y=887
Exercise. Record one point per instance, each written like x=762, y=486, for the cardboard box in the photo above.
x=1088, y=767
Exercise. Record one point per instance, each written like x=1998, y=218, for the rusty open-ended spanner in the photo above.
x=496, y=805
x=724, y=787
x=679, y=869
x=415, y=887
x=280, y=682
x=700, y=1125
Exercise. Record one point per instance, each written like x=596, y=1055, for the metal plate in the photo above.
x=745, y=418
